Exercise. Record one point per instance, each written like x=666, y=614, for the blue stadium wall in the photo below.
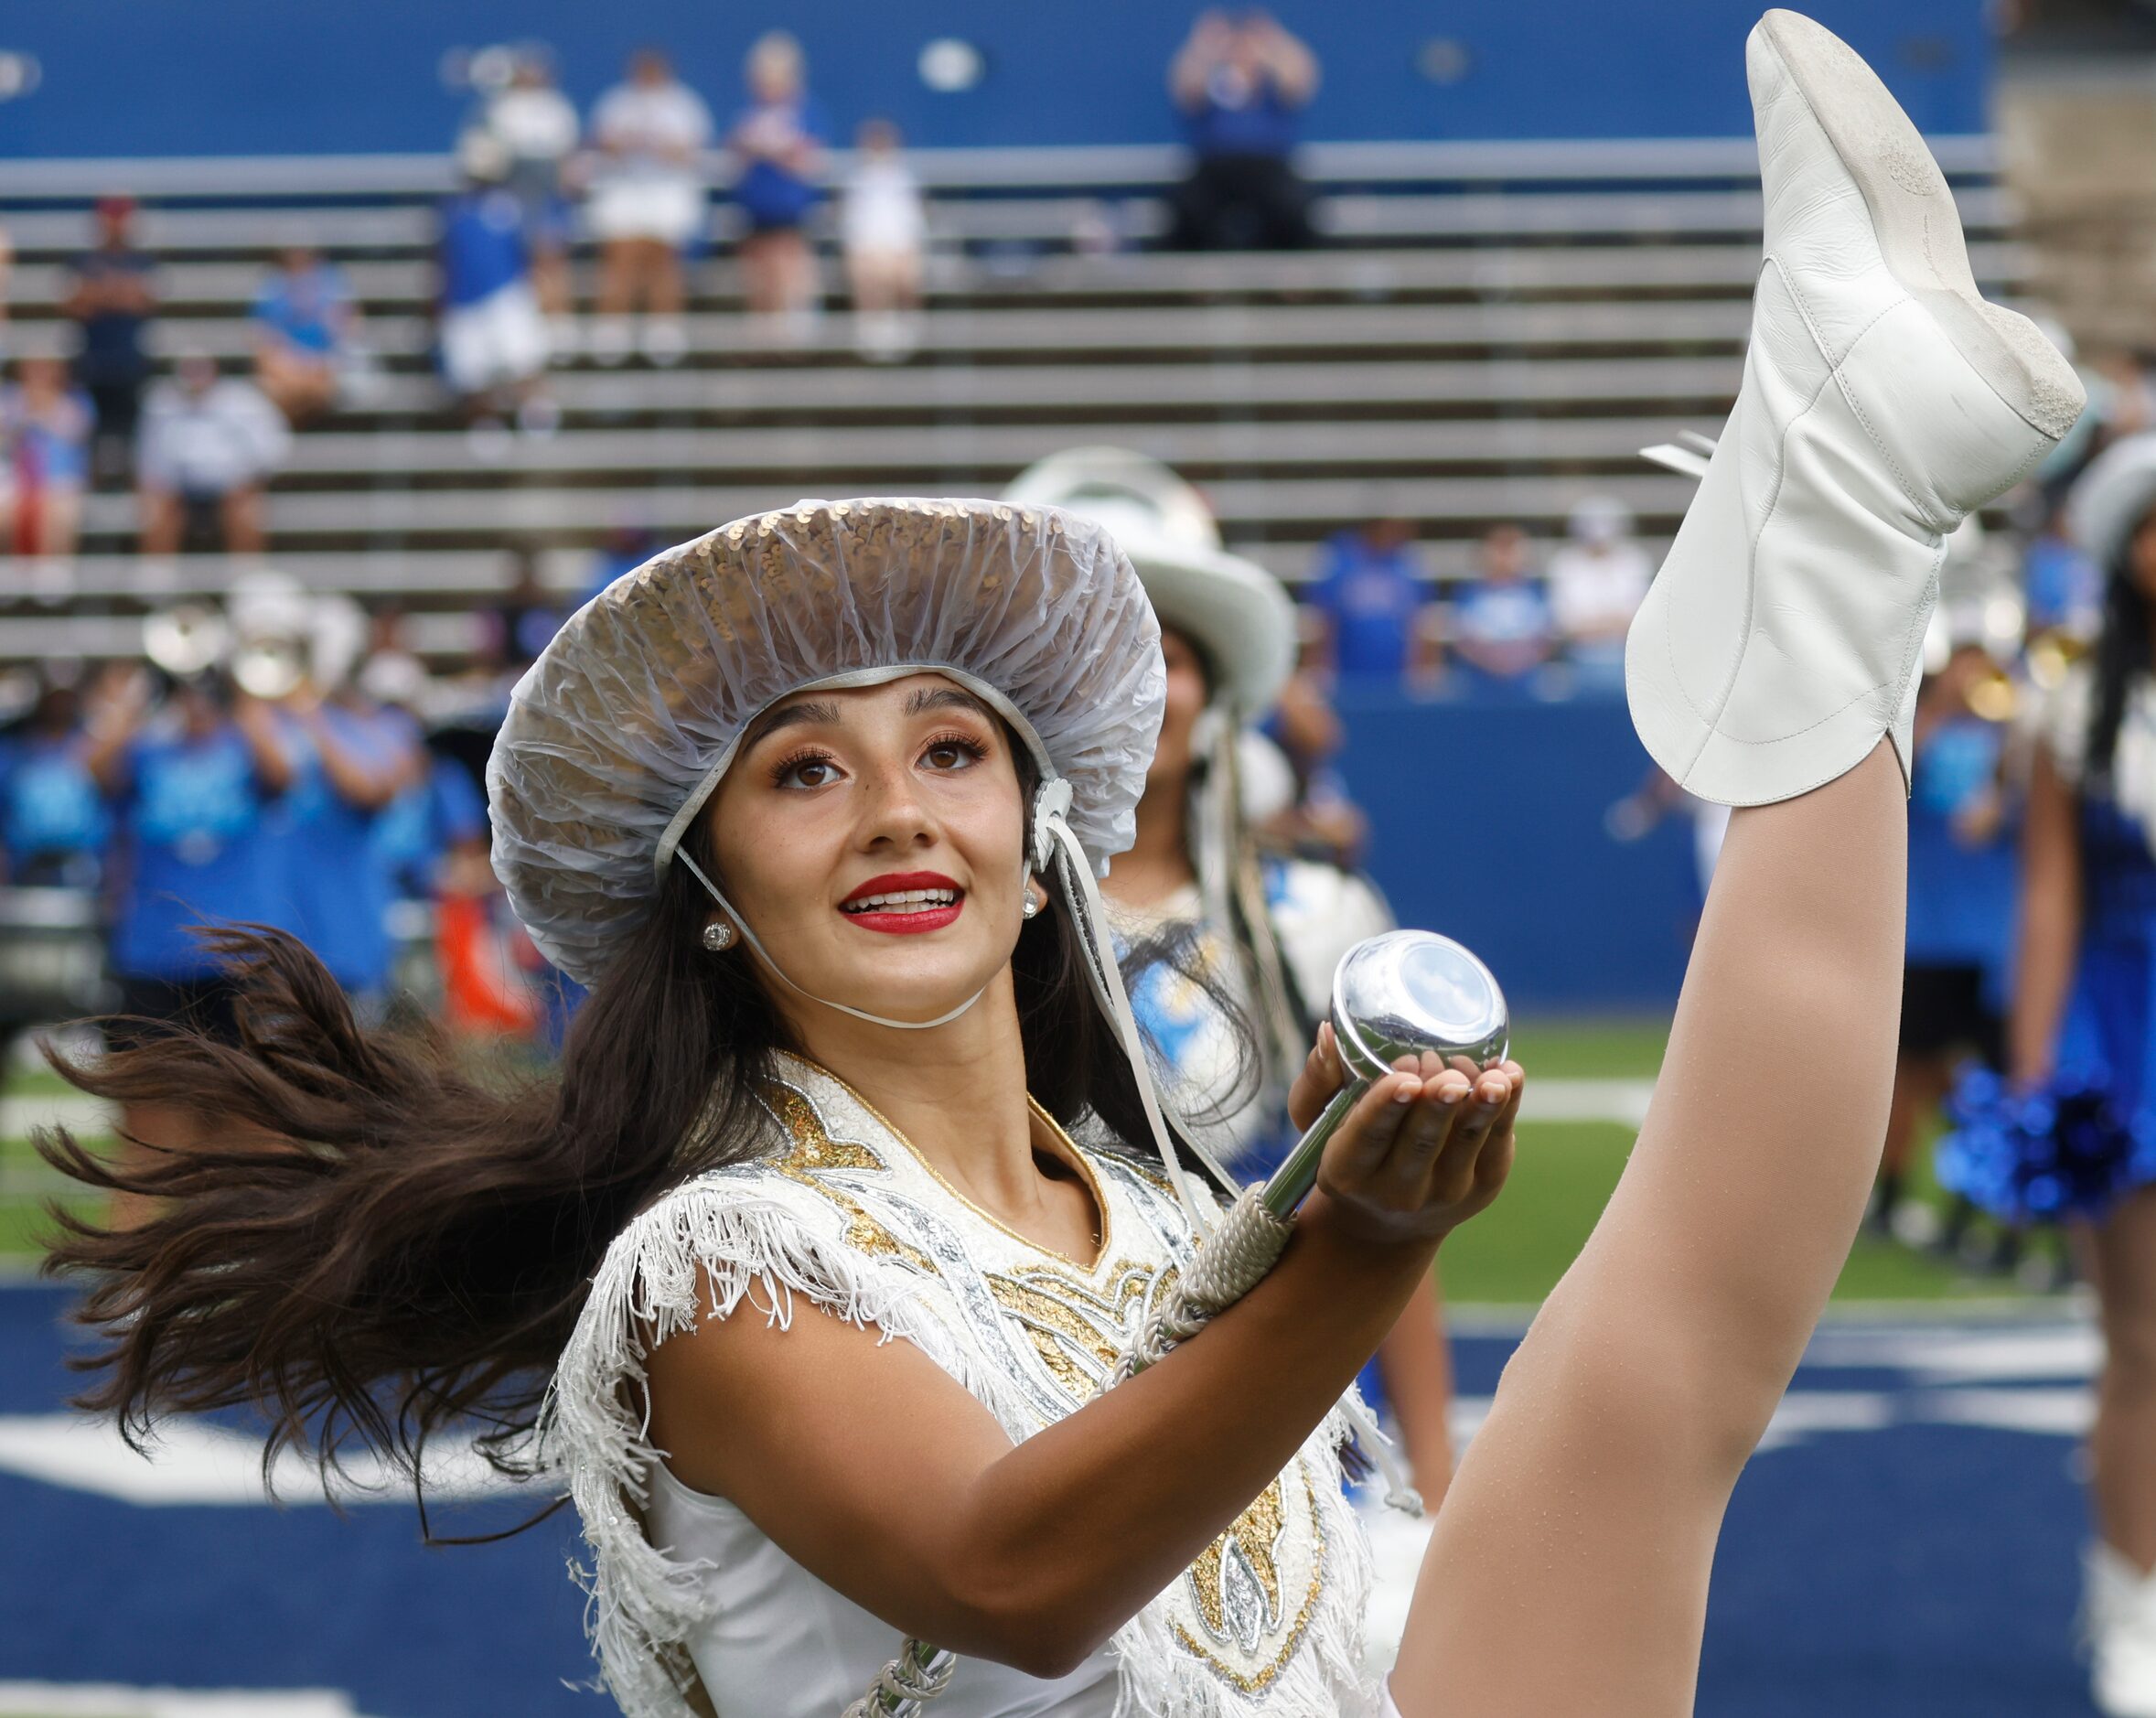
x=1486, y=823
x=256, y=77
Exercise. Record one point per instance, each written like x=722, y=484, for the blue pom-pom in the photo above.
x=2062, y=1150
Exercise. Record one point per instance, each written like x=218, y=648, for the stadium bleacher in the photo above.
x=1491, y=333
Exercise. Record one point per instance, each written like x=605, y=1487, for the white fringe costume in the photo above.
x=843, y=1210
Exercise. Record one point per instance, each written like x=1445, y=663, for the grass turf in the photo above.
x=1512, y=1254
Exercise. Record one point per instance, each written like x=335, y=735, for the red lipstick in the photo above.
x=905, y=903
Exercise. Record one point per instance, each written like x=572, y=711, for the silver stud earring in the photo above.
x=718, y=936
x=1032, y=907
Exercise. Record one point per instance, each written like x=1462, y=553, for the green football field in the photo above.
x=1510, y=1255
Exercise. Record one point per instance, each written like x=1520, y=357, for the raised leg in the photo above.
x=1773, y=666
x=1568, y=1568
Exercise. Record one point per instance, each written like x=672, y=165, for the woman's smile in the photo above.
x=905, y=903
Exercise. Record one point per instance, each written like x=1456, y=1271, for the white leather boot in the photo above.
x=2119, y=1612
x=1882, y=400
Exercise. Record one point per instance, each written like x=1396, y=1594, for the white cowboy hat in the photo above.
x=1233, y=608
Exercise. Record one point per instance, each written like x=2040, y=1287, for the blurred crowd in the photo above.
x=341, y=796
x=279, y=759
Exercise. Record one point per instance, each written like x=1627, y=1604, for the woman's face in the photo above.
x=1187, y=693
x=2141, y=556
x=871, y=837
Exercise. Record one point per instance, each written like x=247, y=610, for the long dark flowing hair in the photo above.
x=372, y=1245
x=2121, y=656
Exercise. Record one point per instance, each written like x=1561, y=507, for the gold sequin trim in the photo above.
x=1065, y=1148
x=1262, y=1517
x=814, y=1151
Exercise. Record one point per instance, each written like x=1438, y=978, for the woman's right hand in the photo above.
x=1423, y=1149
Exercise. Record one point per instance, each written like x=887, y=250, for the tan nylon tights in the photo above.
x=1566, y=1570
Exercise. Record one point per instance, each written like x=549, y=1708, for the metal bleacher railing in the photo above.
x=1490, y=332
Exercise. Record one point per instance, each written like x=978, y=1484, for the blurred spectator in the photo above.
x=441, y=812
x=351, y=759
x=1242, y=83
x=53, y=821
x=304, y=323
x=1309, y=813
x=883, y=227
x=7, y=283
x=1961, y=907
x=209, y=444
x=110, y=302
x=778, y=148
x=491, y=336
x=188, y=780
x=648, y=205
x=45, y=425
x=626, y=549
x=1502, y=629
x=1369, y=585
x=2063, y=589
x=526, y=619
x=2121, y=401
x=1597, y=581
x=537, y=126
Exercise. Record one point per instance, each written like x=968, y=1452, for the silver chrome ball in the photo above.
x=1394, y=995
x=1411, y=990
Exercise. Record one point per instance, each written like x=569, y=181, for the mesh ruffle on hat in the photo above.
x=631, y=714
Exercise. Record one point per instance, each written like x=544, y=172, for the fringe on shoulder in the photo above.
x=747, y=1234
x=732, y=1236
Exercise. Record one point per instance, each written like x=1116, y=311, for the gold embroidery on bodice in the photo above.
x=1243, y=1607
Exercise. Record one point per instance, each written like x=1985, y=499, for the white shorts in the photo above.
x=670, y=211
x=498, y=340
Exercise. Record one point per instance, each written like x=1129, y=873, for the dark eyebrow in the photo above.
x=809, y=712
x=926, y=698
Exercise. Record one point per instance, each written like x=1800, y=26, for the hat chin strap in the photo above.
x=763, y=954
x=1055, y=846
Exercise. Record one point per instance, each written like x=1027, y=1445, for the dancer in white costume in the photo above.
x=824, y=1386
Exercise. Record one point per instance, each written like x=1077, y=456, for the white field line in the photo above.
x=197, y=1462
x=111, y=1700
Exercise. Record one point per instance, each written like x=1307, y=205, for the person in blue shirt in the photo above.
x=2064, y=586
x=778, y=148
x=1962, y=879
x=302, y=328
x=46, y=424
x=1242, y=83
x=1369, y=585
x=188, y=782
x=352, y=758
x=53, y=820
x=1502, y=625
x=112, y=300
x=492, y=338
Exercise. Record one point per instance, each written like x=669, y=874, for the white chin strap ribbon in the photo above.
x=1057, y=854
x=749, y=935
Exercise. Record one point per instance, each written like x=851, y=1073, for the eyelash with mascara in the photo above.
x=792, y=761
